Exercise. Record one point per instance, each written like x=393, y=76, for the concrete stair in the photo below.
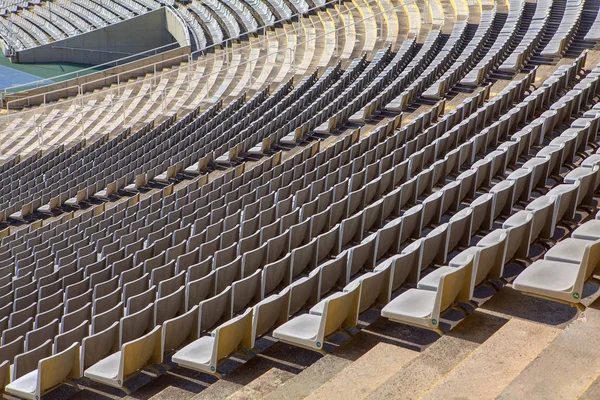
x=493, y=365
x=262, y=385
x=358, y=379
x=439, y=359
x=568, y=368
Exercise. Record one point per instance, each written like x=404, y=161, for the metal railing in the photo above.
x=74, y=110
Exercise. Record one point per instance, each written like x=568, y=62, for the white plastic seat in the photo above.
x=133, y=356
x=423, y=308
x=51, y=372
x=560, y=281
x=588, y=231
x=310, y=330
x=568, y=250
x=205, y=353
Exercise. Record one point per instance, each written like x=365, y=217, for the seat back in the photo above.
x=373, y=288
x=180, y=330
x=169, y=306
x=519, y=237
x=99, y=345
x=28, y=361
x=58, y=368
x=199, y=289
x=589, y=264
x=340, y=311
x=75, y=335
x=136, y=354
x=135, y=325
x=215, y=309
x=490, y=262
x=4, y=374
x=233, y=335
x=303, y=292
x=10, y=350
x=269, y=313
x=453, y=286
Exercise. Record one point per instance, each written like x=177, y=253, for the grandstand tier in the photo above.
x=321, y=200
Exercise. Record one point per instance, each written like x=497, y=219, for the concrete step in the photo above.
x=494, y=364
x=416, y=377
x=320, y=371
x=262, y=385
x=362, y=376
x=593, y=391
x=310, y=379
x=567, y=367
x=238, y=375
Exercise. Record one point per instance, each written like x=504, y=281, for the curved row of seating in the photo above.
x=93, y=373
x=43, y=23
x=299, y=247
x=188, y=87
x=186, y=159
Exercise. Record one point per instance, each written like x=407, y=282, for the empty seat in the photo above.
x=51, y=372
x=561, y=280
x=133, y=356
x=205, y=353
x=423, y=308
x=310, y=330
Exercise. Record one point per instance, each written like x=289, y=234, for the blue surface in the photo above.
x=10, y=77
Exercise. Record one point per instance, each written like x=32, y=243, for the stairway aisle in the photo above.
x=500, y=359
x=567, y=367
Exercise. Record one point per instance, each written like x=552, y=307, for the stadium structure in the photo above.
x=299, y=199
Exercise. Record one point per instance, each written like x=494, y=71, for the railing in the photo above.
x=76, y=117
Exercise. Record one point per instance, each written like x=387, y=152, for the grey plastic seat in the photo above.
x=215, y=309
x=205, y=353
x=310, y=330
x=488, y=261
x=180, y=330
x=423, y=308
x=558, y=280
x=588, y=231
x=115, y=369
x=99, y=345
x=269, y=313
x=51, y=372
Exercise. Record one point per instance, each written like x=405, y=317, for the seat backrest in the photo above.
x=99, y=345
x=58, y=368
x=9, y=351
x=102, y=321
x=275, y=273
x=75, y=335
x=180, y=330
x=519, y=238
x=453, y=286
x=28, y=361
x=37, y=337
x=169, y=306
x=4, y=374
x=373, y=288
x=199, y=289
x=333, y=273
x=139, y=352
x=589, y=264
x=269, y=313
x=340, y=309
x=234, y=334
x=303, y=292
x=490, y=262
x=135, y=325
x=214, y=309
